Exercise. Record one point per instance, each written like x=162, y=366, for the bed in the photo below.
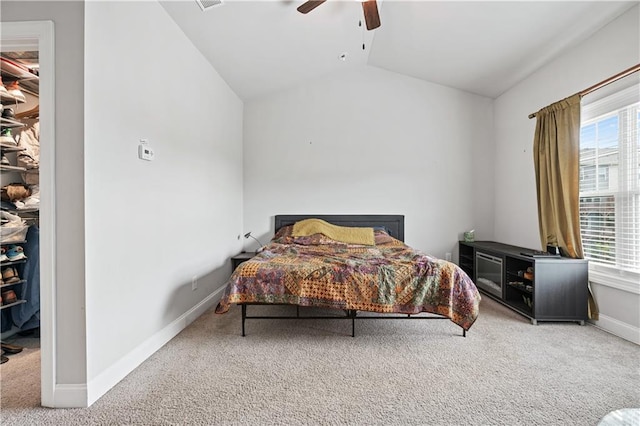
x=347, y=278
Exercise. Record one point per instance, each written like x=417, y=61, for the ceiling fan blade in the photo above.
x=371, y=16
x=308, y=6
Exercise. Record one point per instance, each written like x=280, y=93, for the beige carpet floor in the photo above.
x=505, y=372
x=20, y=376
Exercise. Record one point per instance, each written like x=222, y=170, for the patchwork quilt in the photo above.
x=388, y=277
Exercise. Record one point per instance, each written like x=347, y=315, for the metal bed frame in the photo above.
x=394, y=224
x=351, y=314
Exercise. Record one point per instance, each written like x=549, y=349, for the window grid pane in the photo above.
x=610, y=188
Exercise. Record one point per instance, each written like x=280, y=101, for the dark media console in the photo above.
x=540, y=286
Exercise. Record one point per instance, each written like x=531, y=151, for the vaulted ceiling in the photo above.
x=260, y=47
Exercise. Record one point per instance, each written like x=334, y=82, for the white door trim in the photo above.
x=42, y=34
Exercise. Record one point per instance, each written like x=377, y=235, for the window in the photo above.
x=610, y=179
x=590, y=181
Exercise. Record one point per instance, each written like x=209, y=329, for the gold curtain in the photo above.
x=556, y=150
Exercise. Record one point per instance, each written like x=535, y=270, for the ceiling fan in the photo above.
x=369, y=7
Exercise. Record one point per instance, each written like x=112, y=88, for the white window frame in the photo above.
x=604, y=274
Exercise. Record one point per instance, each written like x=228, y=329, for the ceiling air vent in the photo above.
x=208, y=4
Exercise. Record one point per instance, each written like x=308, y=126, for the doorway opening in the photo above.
x=27, y=51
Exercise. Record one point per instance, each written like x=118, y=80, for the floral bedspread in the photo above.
x=389, y=277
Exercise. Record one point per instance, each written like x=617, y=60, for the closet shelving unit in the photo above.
x=8, y=122
x=10, y=70
x=29, y=83
x=5, y=148
x=8, y=99
x=13, y=263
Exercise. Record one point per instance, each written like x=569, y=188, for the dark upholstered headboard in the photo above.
x=392, y=222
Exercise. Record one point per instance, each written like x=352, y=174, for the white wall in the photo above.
x=612, y=49
x=152, y=226
x=68, y=18
x=367, y=140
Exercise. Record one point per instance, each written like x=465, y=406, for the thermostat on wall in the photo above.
x=145, y=152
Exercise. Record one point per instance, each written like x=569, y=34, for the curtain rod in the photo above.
x=603, y=83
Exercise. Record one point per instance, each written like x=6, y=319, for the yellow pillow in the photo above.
x=345, y=234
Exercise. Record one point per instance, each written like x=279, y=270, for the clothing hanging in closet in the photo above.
x=27, y=315
x=29, y=140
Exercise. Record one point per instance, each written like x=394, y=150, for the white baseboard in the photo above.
x=619, y=328
x=70, y=396
x=111, y=376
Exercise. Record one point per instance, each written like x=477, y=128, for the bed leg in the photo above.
x=353, y=323
x=464, y=333
x=244, y=317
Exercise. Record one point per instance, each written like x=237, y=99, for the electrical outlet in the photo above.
x=447, y=257
x=194, y=283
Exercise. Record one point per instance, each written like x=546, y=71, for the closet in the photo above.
x=20, y=201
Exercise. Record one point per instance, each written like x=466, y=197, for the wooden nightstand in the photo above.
x=241, y=257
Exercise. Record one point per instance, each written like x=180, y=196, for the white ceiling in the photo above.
x=260, y=47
